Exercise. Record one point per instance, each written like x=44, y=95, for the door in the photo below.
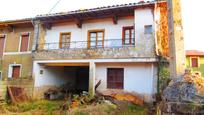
x=16, y=72
x=2, y=40
x=115, y=78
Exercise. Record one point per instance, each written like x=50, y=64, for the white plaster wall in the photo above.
x=54, y=76
x=112, y=31
x=144, y=42
x=138, y=77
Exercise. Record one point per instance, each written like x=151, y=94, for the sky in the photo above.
x=192, y=13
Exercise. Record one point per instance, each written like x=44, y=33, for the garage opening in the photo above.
x=63, y=80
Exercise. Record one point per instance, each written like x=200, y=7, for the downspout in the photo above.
x=36, y=34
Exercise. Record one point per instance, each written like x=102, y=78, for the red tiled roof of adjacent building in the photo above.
x=194, y=53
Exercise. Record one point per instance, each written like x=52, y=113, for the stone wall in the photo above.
x=102, y=53
x=27, y=84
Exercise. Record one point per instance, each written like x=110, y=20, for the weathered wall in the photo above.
x=24, y=59
x=101, y=53
x=54, y=76
x=161, y=20
x=13, y=56
x=80, y=34
x=138, y=77
x=144, y=42
x=200, y=68
x=13, y=38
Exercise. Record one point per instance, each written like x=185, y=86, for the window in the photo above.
x=128, y=35
x=0, y=75
x=115, y=78
x=194, y=62
x=2, y=40
x=14, y=71
x=148, y=29
x=65, y=40
x=24, y=42
x=95, y=38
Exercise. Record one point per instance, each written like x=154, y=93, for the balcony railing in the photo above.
x=110, y=43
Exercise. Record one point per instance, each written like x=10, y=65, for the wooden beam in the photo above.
x=115, y=19
x=48, y=26
x=10, y=28
x=78, y=22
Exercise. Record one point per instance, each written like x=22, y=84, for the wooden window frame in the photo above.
x=4, y=47
x=10, y=71
x=60, y=39
x=1, y=75
x=123, y=35
x=108, y=87
x=198, y=59
x=28, y=48
x=89, y=37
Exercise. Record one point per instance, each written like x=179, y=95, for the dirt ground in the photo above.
x=45, y=107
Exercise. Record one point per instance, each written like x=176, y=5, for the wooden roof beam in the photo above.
x=115, y=19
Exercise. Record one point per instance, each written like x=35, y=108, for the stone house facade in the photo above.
x=99, y=49
x=113, y=47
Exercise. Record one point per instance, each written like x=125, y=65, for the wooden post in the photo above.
x=176, y=40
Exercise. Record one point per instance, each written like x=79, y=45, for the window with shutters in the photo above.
x=115, y=78
x=2, y=43
x=194, y=62
x=65, y=39
x=128, y=35
x=24, y=42
x=95, y=38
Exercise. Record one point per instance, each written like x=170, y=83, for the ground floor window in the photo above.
x=194, y=62
x=115, y=78
x=14, y=71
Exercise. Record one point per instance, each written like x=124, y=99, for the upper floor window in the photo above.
x=2, y=40
x=194, y=62
x=95, y=38
x=24, y=42
x=65, y=39
x=128, y=35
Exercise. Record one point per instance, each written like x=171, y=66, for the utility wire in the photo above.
x=54, y=6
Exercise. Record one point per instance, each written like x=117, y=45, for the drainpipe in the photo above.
x=36, y=34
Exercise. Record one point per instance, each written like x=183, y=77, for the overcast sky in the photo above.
x=192, y=12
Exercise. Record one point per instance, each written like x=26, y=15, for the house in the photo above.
x=15, y=54
x=195, y=61
x=114, y=48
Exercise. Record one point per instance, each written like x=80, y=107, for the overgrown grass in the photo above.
x=46, y=106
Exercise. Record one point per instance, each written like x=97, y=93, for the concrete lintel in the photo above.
x=98, y=60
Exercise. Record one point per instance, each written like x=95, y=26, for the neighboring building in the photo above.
x=195, y=60
x=112, y=46
x=15, y=54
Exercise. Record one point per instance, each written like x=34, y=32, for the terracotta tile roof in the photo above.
x=24, y=20
x=194, y=53
x=141, y=3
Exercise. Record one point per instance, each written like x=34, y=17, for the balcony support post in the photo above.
x=92, y=75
